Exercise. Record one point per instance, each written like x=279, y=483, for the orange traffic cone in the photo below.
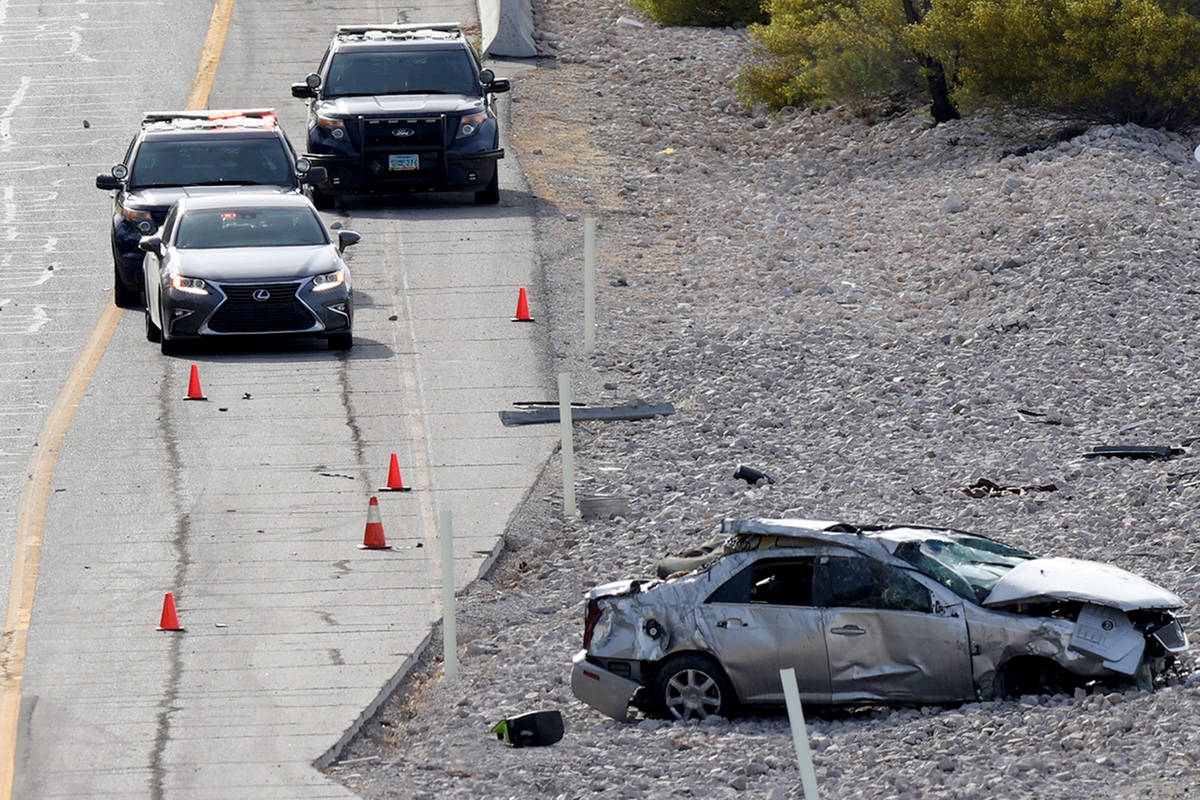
x=522, y=308
x=170, y=622
x=194, y=392
x=395, y=482
x=373, y=536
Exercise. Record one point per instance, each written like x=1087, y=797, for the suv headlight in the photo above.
x=188, y=285
x=470, y=123
x=330, y=280
x=333, y=126
x=140, y=219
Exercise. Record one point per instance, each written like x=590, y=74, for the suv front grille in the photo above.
x=278, y=313
x=400, y=134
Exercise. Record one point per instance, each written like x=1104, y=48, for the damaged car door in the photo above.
x=887, y=638
x=763, y=619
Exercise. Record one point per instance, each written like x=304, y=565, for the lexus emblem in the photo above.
x=402, y=132
x=261, y=295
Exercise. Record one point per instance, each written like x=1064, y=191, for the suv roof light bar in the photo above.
x=455, y=27
x=209, y=114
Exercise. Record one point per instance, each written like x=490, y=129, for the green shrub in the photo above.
x=711, y=13
x=1089, y=60
x=818, y=51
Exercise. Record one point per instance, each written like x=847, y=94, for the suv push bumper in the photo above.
x=453, y=172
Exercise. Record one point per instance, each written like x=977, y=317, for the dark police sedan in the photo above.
x=247, y=264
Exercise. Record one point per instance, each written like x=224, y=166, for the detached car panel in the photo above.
x=884, y=614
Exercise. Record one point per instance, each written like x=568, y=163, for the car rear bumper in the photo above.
x=604, y=691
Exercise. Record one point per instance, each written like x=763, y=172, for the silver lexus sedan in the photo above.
x=899, y=614
x=232, y=265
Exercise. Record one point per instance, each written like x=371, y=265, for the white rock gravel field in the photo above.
x=860, y=310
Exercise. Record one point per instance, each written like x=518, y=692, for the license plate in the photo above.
x=396, y=163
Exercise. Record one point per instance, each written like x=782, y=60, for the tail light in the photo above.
x=589, y=622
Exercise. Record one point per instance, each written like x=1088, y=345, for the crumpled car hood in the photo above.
x=1078, y=580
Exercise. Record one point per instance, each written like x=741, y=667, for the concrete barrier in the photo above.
x=507, y=27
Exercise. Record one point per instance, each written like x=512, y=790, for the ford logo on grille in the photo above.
x=402, y=132
x=261, y=295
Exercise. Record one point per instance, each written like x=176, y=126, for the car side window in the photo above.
x=857, y=582
x=776, y=582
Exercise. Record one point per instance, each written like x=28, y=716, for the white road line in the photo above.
x=17, y=98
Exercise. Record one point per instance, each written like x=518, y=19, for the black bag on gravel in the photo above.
x=536, y=729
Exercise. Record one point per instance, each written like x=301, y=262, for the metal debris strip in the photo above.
x=1157, y=452
x=985, y=488
x=548, y=415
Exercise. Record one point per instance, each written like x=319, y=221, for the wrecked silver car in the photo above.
x=887, y=614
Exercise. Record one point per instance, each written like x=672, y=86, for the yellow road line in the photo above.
x=28, y=552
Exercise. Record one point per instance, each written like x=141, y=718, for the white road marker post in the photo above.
x=568, y=443
x=449, y=627
x=791, y=695
x=589, y=285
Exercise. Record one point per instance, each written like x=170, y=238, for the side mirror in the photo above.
x=347, y=238
x=314, y=175
x=302, y=90
x=107, y=182
x=486, y=76
x=150, y=244
x=499, y=85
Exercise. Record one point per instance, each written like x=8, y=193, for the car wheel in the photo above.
x=153, y=333
x=692, y=686
x=322, y=200
x=341, y=341
x=123, y=296
x=490, y=195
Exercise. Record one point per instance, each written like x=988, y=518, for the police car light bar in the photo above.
x=205, y=114
x=402, y=28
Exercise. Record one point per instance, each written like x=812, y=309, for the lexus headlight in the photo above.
x=470, y=123
x=333, y=126
x=188, y=285
x=330, y=280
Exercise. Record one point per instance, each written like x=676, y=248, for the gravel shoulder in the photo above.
x=875, y=314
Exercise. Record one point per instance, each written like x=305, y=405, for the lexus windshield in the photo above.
x=254, y=227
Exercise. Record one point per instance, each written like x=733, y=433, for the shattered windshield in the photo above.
x=402, y=72
x=967, y=565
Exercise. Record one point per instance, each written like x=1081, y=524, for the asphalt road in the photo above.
x=248, y=506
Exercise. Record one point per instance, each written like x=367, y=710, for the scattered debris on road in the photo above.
x=751, y=475
x=1143, y=452
x=985, y=488
x=550, y=415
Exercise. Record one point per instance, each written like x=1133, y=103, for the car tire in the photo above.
x=123, y=296
x=341, y=341
x=153, y=332
x=693, y=686
x=321, y=200
x=489, y=195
